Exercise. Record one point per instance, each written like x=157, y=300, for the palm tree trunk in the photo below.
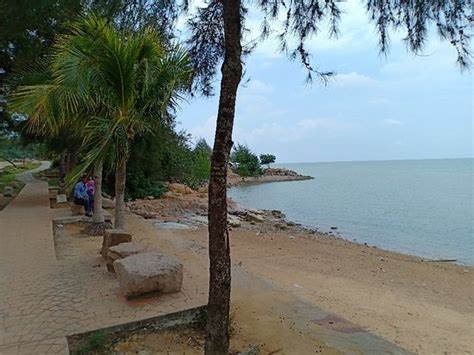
x=98, y=216
x=217, y=330
x=98, y=225
x=120, y=176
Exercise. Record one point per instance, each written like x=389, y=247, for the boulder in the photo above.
x=278, y=214
x=8, y=191
x=148, y=272
x=77, y=210
x=113, y=237
x=107, y=203
x=122, y=251
x=233, y=221
x=180, y=189
x=253, y=217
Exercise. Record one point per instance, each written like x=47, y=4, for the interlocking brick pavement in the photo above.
x=43, y=299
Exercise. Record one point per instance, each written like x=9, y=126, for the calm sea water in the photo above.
x=419, y=207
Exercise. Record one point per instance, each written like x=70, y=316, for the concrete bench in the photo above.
x=149, y=272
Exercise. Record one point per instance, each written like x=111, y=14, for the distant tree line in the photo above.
x=246, y=163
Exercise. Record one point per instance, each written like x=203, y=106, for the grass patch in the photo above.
x=8, y=174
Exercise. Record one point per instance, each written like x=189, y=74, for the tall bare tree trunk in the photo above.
x=120, y=176
x=98, y=221
x=217, y=330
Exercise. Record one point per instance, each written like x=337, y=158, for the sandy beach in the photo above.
x=424, y=307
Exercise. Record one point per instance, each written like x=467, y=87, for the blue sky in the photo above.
x=396, y=107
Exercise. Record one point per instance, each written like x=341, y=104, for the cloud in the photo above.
x=257, y=87
x=205, y=130
x=291, y=132
x=393, y=122
x=353, y=79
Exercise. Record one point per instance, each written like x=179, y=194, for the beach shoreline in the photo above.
x=425, y=307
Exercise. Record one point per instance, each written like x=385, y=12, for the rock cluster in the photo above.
x=280, y=172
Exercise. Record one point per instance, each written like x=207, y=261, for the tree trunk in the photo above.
x=120, y=176
x=98, y=221
x=98, y=216
x=217, y=330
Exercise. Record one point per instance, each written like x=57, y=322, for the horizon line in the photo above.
x=369, y=160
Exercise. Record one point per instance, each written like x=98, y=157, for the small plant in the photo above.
x=94, y=343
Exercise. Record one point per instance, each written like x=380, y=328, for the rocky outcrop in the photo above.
x=114, y=237
x=148, y=272
x=269, y=175
x=180, y=189
x=279, y=172
x=121, y=251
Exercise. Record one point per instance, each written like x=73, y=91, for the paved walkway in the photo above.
x=43, y=299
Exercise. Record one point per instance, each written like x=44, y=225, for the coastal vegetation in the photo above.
x=98, y=89
x=245, y=162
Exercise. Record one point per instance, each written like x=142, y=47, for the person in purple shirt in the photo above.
x=81, y=197
x=90, y=185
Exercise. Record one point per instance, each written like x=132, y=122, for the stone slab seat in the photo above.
x=77, y=210
x=149, y=272
x=114, y=237
x=121, y=251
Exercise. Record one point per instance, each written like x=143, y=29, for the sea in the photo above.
x=417, y=207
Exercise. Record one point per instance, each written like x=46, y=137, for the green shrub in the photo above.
x=94, y=343
x=139, y=186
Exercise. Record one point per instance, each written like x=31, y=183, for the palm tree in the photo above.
x=120, y=83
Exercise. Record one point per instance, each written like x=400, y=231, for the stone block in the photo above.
x=121, y=251
x=77, y=210
x=8, y=191
x=114, y=237
x=149, y=272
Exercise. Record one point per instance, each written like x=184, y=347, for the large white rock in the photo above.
x=147, y=272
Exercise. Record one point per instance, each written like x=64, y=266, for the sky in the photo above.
x=398, y=106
